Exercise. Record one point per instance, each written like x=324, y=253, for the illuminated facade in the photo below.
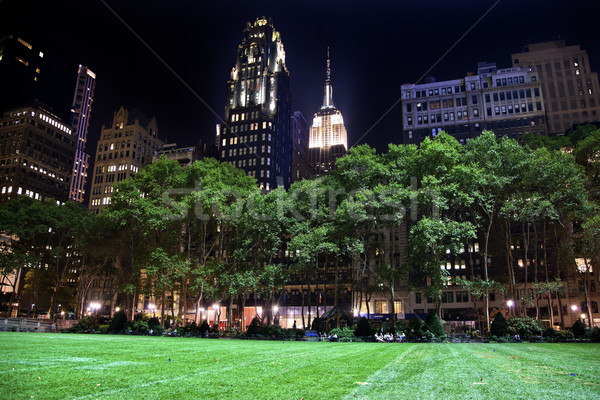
x=124, y=147
x=80, y=120
x=328, y=139
x=570, y=88
x=508, y=102
x=255, y=135
x=36, y=154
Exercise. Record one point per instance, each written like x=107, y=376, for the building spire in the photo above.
x=328, y=98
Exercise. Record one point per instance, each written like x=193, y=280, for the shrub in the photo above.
x=502, y=339
x=300, y=333
x=118, y=322
x=254, y=327
x=153, y=323
x=429, y=337
x=593, y=334
x=402, y=326
x=363, y=328
x=140, y=326
x=549, y=333
x=415, y=328
x=578, y=328
x=141, y=317
x=499, y=325
x=318, y=324
x=85, y=324
x=203, y=328
x=564, y=335
x=103, y=328
x=524, y=327
x=271, y=330
x=344, y=334
x=433, y=324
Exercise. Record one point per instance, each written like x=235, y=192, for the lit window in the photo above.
x=41, y=55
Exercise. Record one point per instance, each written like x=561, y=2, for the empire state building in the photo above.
x=328, y=139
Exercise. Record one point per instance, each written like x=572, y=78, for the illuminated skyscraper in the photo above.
x=256, y=134
x=80, y=120
x=328, y=139
x=124, y=147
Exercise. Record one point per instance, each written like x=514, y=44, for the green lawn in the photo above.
x=68, y=366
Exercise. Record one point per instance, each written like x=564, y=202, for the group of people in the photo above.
x=389, y=337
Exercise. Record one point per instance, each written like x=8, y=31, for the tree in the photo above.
x=434, y=325
x=578, y=328
x=499, y=325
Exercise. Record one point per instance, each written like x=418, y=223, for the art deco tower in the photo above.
x=80, y=120
x=255, y=135
x=328, y=138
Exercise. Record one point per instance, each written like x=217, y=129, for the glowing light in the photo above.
x=510, y=303
x=573, y=308
x=275, y=309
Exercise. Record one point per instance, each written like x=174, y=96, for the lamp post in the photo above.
x=275, y=311
x=152, y=307
x=510, y=303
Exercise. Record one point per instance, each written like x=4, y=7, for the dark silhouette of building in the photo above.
x=301, y=168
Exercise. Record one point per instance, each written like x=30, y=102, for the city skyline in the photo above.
x=377, y=48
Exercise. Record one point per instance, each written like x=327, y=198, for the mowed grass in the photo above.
x=68, y=366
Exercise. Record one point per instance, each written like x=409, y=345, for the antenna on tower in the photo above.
x=328, y=66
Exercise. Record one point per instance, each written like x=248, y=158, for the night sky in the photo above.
x=376, y=46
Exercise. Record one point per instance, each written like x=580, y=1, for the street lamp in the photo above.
x=95, y=307
x=510, y=303
x=152, y=307
x=356, y=312
x=573, y=308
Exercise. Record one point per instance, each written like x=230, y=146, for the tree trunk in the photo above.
x=162, y=309
x=302, y=309
x=525, y=263
x=586, y=291
x=485, y=270
x=535, y=271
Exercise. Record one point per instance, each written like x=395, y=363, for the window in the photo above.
x=381, y=307
x=487, y=98
x=495, y=96
x=474, y=99
x=472, y=85
x=418, y=299
x=533, y=78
